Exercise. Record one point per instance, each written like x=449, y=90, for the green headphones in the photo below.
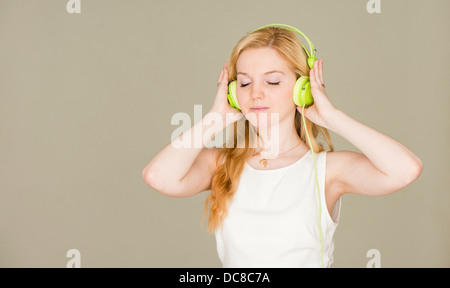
x=302, y=89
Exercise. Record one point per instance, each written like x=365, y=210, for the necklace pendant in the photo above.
x=264, y=162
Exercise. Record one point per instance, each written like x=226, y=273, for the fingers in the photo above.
x=225, y=74
x=317, y=72
x=316, y=75
x=312, y=75
x=223, y=78
x=220, y=77
x=321, y=71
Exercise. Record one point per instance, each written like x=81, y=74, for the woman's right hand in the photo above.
x=221, y=105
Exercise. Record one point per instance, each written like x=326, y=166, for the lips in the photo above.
x=259, y=109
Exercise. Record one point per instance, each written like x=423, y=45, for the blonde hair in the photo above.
x=230, y=161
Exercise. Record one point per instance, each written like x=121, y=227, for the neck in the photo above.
x=278, y=138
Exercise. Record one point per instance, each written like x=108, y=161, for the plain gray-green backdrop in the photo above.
x=86, y=101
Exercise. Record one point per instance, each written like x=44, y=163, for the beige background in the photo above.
x=87, y=101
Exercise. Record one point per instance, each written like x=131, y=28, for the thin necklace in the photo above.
x=265, y=161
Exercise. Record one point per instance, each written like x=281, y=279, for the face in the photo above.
x=264, y=87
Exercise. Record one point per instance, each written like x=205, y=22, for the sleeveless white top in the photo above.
x=273, y=218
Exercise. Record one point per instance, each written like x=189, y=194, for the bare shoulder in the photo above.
x=337, y=160
x=353, y=172
x=337, y=164
x=209, y=157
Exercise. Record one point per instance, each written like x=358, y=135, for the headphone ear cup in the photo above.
x=311, y=61
x=302, y=92
x=232, y=99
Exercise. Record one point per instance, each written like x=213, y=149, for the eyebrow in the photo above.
x=269, y=72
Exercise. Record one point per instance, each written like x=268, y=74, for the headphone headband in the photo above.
x=312, y=55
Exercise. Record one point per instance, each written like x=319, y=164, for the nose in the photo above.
x=257, y=91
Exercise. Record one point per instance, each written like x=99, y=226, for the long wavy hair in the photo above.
x=240, y=145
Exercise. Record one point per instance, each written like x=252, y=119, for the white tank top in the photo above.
x=272, y=220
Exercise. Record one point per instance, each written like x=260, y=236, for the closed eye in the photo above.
x=270, y=83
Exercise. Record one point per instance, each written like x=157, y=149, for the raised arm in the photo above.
x=168, y=168
x=184, y=170
x=385, y=165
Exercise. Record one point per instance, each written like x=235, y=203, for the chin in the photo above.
x=263, y=120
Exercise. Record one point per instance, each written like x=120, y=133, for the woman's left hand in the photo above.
x=320, y=111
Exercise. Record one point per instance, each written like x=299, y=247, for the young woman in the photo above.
x=278, y=207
